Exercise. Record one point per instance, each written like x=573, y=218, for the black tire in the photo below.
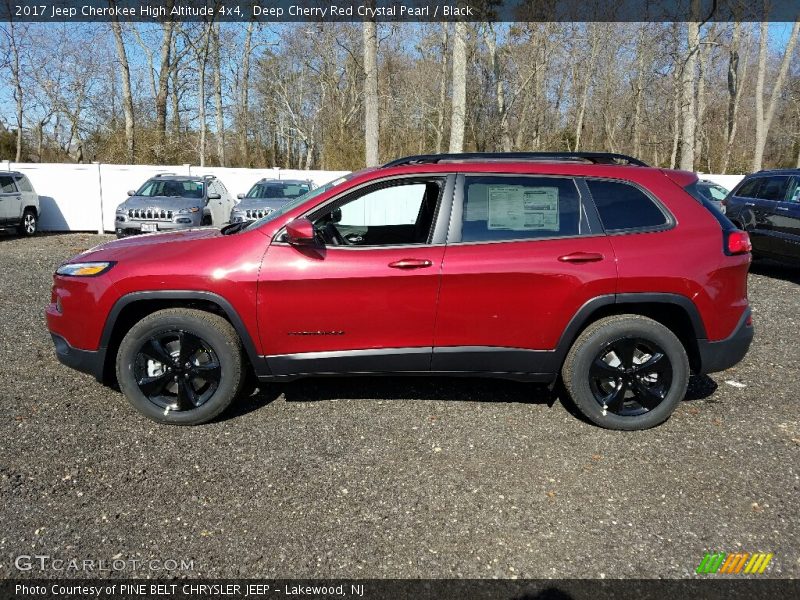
x=29, y=224
x=610, y=388
x=202, y=346
x=206, y=221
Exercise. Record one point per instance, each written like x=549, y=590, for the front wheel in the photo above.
x=180, y=366
x=626, y=372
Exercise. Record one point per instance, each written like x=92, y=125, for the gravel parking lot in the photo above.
x=395, y=477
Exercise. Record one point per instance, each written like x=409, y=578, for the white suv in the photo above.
x=19, y=203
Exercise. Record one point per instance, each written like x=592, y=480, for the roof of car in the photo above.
x=288, y=181
x=775, y=172
x=597, y=158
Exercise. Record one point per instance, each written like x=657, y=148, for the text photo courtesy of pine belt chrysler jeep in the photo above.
x=168, y=202
x=589, y=267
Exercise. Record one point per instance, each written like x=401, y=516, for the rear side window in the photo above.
x=23, y=184
x=519, y=208
x=623, y=206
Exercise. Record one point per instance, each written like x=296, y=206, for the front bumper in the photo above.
x=723, y=354
x=86, y=361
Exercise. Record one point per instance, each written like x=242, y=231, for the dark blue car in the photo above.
x=767, y=205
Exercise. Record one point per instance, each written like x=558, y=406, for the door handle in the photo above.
x=749, y=203
x=781, y=208
x=581, y=257
x=410, y=263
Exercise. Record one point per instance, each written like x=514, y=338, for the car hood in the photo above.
x=165, y=202
x=260, y=203
x=125, y=247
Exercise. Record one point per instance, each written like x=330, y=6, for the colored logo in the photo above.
x=739, y=562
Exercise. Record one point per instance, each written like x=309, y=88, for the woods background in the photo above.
x=714, y=97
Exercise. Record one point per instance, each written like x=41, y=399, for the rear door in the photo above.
x=10, y=201
x=785, y=221
x=757, y=198
x=522, y=257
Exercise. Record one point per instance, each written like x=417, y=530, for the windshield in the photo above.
x=278, y=190
x=172, y=188
x=299, y=200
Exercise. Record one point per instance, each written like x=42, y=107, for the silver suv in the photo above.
x=168, y=202
x=19, y=203
x=268, y=195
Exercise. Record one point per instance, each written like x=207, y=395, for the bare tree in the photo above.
x=218, y=103
x=764, y=117
x=371, y=125
x=689, y=89
x=14, y=34
x=459, y=101
x=127, y=94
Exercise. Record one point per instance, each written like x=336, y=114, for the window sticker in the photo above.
x=521, y=208
x=477, y=208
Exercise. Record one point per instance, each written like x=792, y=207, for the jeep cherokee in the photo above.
x=591, y=267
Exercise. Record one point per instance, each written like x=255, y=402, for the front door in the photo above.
x=785, y=221
x=521, y=260
x=363, y=299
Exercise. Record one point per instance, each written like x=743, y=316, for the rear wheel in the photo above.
x=29, y=224
x=180, y=366
x=626, y=372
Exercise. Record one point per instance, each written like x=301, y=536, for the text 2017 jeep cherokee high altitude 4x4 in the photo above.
x=526, y=266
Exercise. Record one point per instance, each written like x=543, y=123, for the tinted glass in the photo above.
x=7, y=184
x=623, y=206
x=172, y=188
x=749, y=188
x=23, y=184
x=519, y=208
x=773, y=188
x=278, y=190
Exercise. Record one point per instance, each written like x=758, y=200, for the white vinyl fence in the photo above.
x=83, y=197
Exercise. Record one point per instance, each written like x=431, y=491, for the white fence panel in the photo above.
x=83, y=197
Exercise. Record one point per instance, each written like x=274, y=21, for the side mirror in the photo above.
x=300, y=232
x=214, y=196
x=336, y=215
x=131, y=192
x=240, y=196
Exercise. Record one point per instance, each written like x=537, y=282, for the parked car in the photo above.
x=590, y=267
x=167, y=202
x=268, y=195
x=713, y=192
x=767, y=205
x=19, y=203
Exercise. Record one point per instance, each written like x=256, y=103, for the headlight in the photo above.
x=121, y=210
x=186, y=211
x=86, y=269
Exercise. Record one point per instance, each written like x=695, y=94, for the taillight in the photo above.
x=738, y=242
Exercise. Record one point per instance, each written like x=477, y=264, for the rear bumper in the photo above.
x=86, y=361
x=723, y=354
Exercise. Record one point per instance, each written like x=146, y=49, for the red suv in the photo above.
x=525, y=266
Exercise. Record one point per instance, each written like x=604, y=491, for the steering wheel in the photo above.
x=331, y=233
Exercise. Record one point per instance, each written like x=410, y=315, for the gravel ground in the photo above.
x=394, y=477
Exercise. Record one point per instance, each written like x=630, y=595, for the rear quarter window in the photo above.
x=23, y=184
x=623, y=206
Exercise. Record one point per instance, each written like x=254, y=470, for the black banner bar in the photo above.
x=277, y=11
x=707, y=587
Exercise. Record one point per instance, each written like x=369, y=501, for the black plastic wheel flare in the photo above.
x=177, y=370
x=630, y=377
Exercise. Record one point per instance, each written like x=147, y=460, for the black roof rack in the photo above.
x=601, y=158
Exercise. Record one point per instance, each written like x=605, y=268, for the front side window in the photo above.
x=172, y=188
x=773, y=188
x=623, y=206
x=498, y=208
x=7, y=185
x=749, y=189
x=400, y=213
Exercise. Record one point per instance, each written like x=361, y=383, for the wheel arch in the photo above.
x=677, y=313
x=134, y=306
